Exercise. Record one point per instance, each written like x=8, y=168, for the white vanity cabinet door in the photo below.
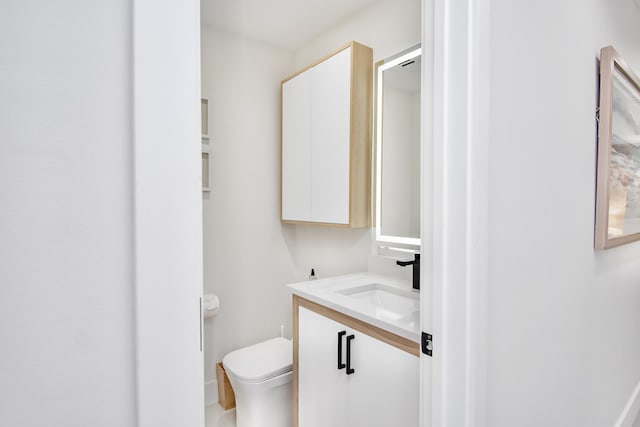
x=382, y=391
x=322, y=388
x=385, y=387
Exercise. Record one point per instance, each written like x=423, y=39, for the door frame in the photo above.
x=168, y=212
x=455, y=141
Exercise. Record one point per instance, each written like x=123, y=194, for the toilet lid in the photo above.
x=260, y=361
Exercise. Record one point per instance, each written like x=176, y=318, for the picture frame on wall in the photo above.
x=618, y=173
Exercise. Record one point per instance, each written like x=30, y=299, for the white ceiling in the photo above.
x=284, y=23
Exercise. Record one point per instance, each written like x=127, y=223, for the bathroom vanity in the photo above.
x=355, y=360
x=355, y=337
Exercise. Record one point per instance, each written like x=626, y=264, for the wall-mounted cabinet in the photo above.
x=326, y=140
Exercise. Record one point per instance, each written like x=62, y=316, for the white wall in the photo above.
x=387, y=26
x=247, y=260
x=66, y=233
x=249, y=254
x=564, y=343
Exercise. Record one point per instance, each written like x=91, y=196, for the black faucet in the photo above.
x=416, y=269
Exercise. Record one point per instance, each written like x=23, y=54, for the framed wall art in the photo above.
x=618, y=174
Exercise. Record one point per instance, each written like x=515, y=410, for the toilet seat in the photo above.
x=260, y=362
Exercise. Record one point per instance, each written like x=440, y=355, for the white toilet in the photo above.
x=261, y=379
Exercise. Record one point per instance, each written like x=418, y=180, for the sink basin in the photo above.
x=381, y=301
x=386, y=302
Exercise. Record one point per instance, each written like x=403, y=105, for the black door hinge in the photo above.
x=426, y=344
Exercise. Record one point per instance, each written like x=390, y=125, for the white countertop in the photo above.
x=327, y=291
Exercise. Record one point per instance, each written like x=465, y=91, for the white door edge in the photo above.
x=455, y=211
x=168, y=212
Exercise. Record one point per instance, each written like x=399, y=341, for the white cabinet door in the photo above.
x=330, y=139
x=384, y=389
x=296, y=148
x=322, y=388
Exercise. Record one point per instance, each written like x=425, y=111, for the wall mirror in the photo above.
x=397, y=139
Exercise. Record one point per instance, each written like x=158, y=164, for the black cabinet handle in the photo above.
x=349, y=369
x=340, y=364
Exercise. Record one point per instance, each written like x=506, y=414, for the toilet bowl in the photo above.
x=261, y=379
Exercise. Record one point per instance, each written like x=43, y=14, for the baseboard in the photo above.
x=211, y=392
x=631, y=409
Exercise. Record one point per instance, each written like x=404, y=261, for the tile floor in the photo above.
x=215, y=416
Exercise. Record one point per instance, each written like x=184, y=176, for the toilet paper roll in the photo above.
x=210, y=305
